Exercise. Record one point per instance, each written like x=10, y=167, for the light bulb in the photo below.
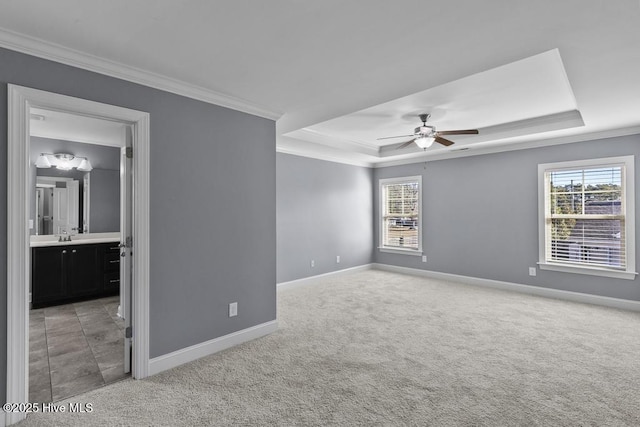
x=64, y=161
x=85, y=166
x=64, y=165
x=43, y=162
x=424, y=141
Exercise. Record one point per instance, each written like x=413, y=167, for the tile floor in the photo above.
x=74, y=348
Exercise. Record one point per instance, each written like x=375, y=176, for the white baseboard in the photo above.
x=194, y=352
x=310, y=280
x=515, y=287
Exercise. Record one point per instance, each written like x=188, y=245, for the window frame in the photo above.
x=628, y=202
x=382, y=183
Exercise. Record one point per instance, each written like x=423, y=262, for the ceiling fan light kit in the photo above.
x=424, y=142
x=425, y=135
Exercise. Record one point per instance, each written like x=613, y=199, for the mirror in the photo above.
x=73, y=201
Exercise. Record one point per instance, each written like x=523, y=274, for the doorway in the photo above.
x=77, y=319
x=21, y=102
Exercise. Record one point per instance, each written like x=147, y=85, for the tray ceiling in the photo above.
x=336, y=75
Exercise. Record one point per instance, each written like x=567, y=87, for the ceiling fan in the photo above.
x=423, y=136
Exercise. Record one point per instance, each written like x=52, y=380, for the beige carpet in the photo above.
x=377, y=348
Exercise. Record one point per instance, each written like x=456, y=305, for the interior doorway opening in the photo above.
x=80, y=283
x=21, y=101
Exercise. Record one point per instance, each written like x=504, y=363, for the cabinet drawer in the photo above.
x=112, y=280
x=111, y=261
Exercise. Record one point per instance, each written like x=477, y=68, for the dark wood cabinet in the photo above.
x=111, y=268
x=64, y=274
x=48, y=274
x=82, y=272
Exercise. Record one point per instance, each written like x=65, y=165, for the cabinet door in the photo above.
x=48, y=275
x=83, y=270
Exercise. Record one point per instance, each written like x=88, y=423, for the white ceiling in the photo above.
x=71, y=127
x=339, y=74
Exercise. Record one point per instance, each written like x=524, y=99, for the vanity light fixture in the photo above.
x=43, y=162
x=85, y=165
x=63, y=161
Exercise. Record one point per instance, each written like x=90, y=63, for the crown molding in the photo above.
x=58, y=53
x=308, y=134
x=321, y=156
x=453, y=154
x=500, y=148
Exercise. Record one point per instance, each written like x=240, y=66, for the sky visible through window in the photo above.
x=609, y=175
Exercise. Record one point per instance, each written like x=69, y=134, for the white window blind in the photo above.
x=585, y=216
x=400, y=213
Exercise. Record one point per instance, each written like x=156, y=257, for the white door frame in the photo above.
x=20, y=100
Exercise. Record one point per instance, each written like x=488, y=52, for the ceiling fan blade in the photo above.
x=443, y=141
x=392, y=137
x=458, y=132
x=405, y=144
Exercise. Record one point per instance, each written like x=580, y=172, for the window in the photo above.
x=587, y=222
x=400, y=215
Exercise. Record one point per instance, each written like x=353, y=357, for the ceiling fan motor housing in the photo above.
x=424, y=130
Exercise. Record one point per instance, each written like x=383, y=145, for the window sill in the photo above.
x=414, y=252
x=594, y=271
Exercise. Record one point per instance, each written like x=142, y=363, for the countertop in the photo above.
x=78, y=239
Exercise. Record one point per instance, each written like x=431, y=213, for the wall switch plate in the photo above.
x=337, y=259
x=532, y=271
x=313, y=263
x=233, y=309
x=424, y=258
x=30, y=224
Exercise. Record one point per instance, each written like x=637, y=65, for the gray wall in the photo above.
x=104, y=197
x=324, y=210
x=481, y=216
x=105, y=178
x=212, y=205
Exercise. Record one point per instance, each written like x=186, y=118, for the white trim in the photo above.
x=55, y=52
x=319, y=277
x=583, y=269
x=310, y=135
x=400, y=251
x=20, y=100
x=619, y=303
x=399, y=180
x=628, y=199
x=323, y=157
x=198, y=351
x=17, y=252
x=141, y=246
x=501, y=147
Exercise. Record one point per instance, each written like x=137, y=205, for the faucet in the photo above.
x=66, y=238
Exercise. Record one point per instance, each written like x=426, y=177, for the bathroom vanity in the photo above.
x=86, y=267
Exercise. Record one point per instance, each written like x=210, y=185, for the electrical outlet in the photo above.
x=424, y=258
x=30, y=224
x=337, y=259
x=313, y=263
x=532, y=271
x=233, y=309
